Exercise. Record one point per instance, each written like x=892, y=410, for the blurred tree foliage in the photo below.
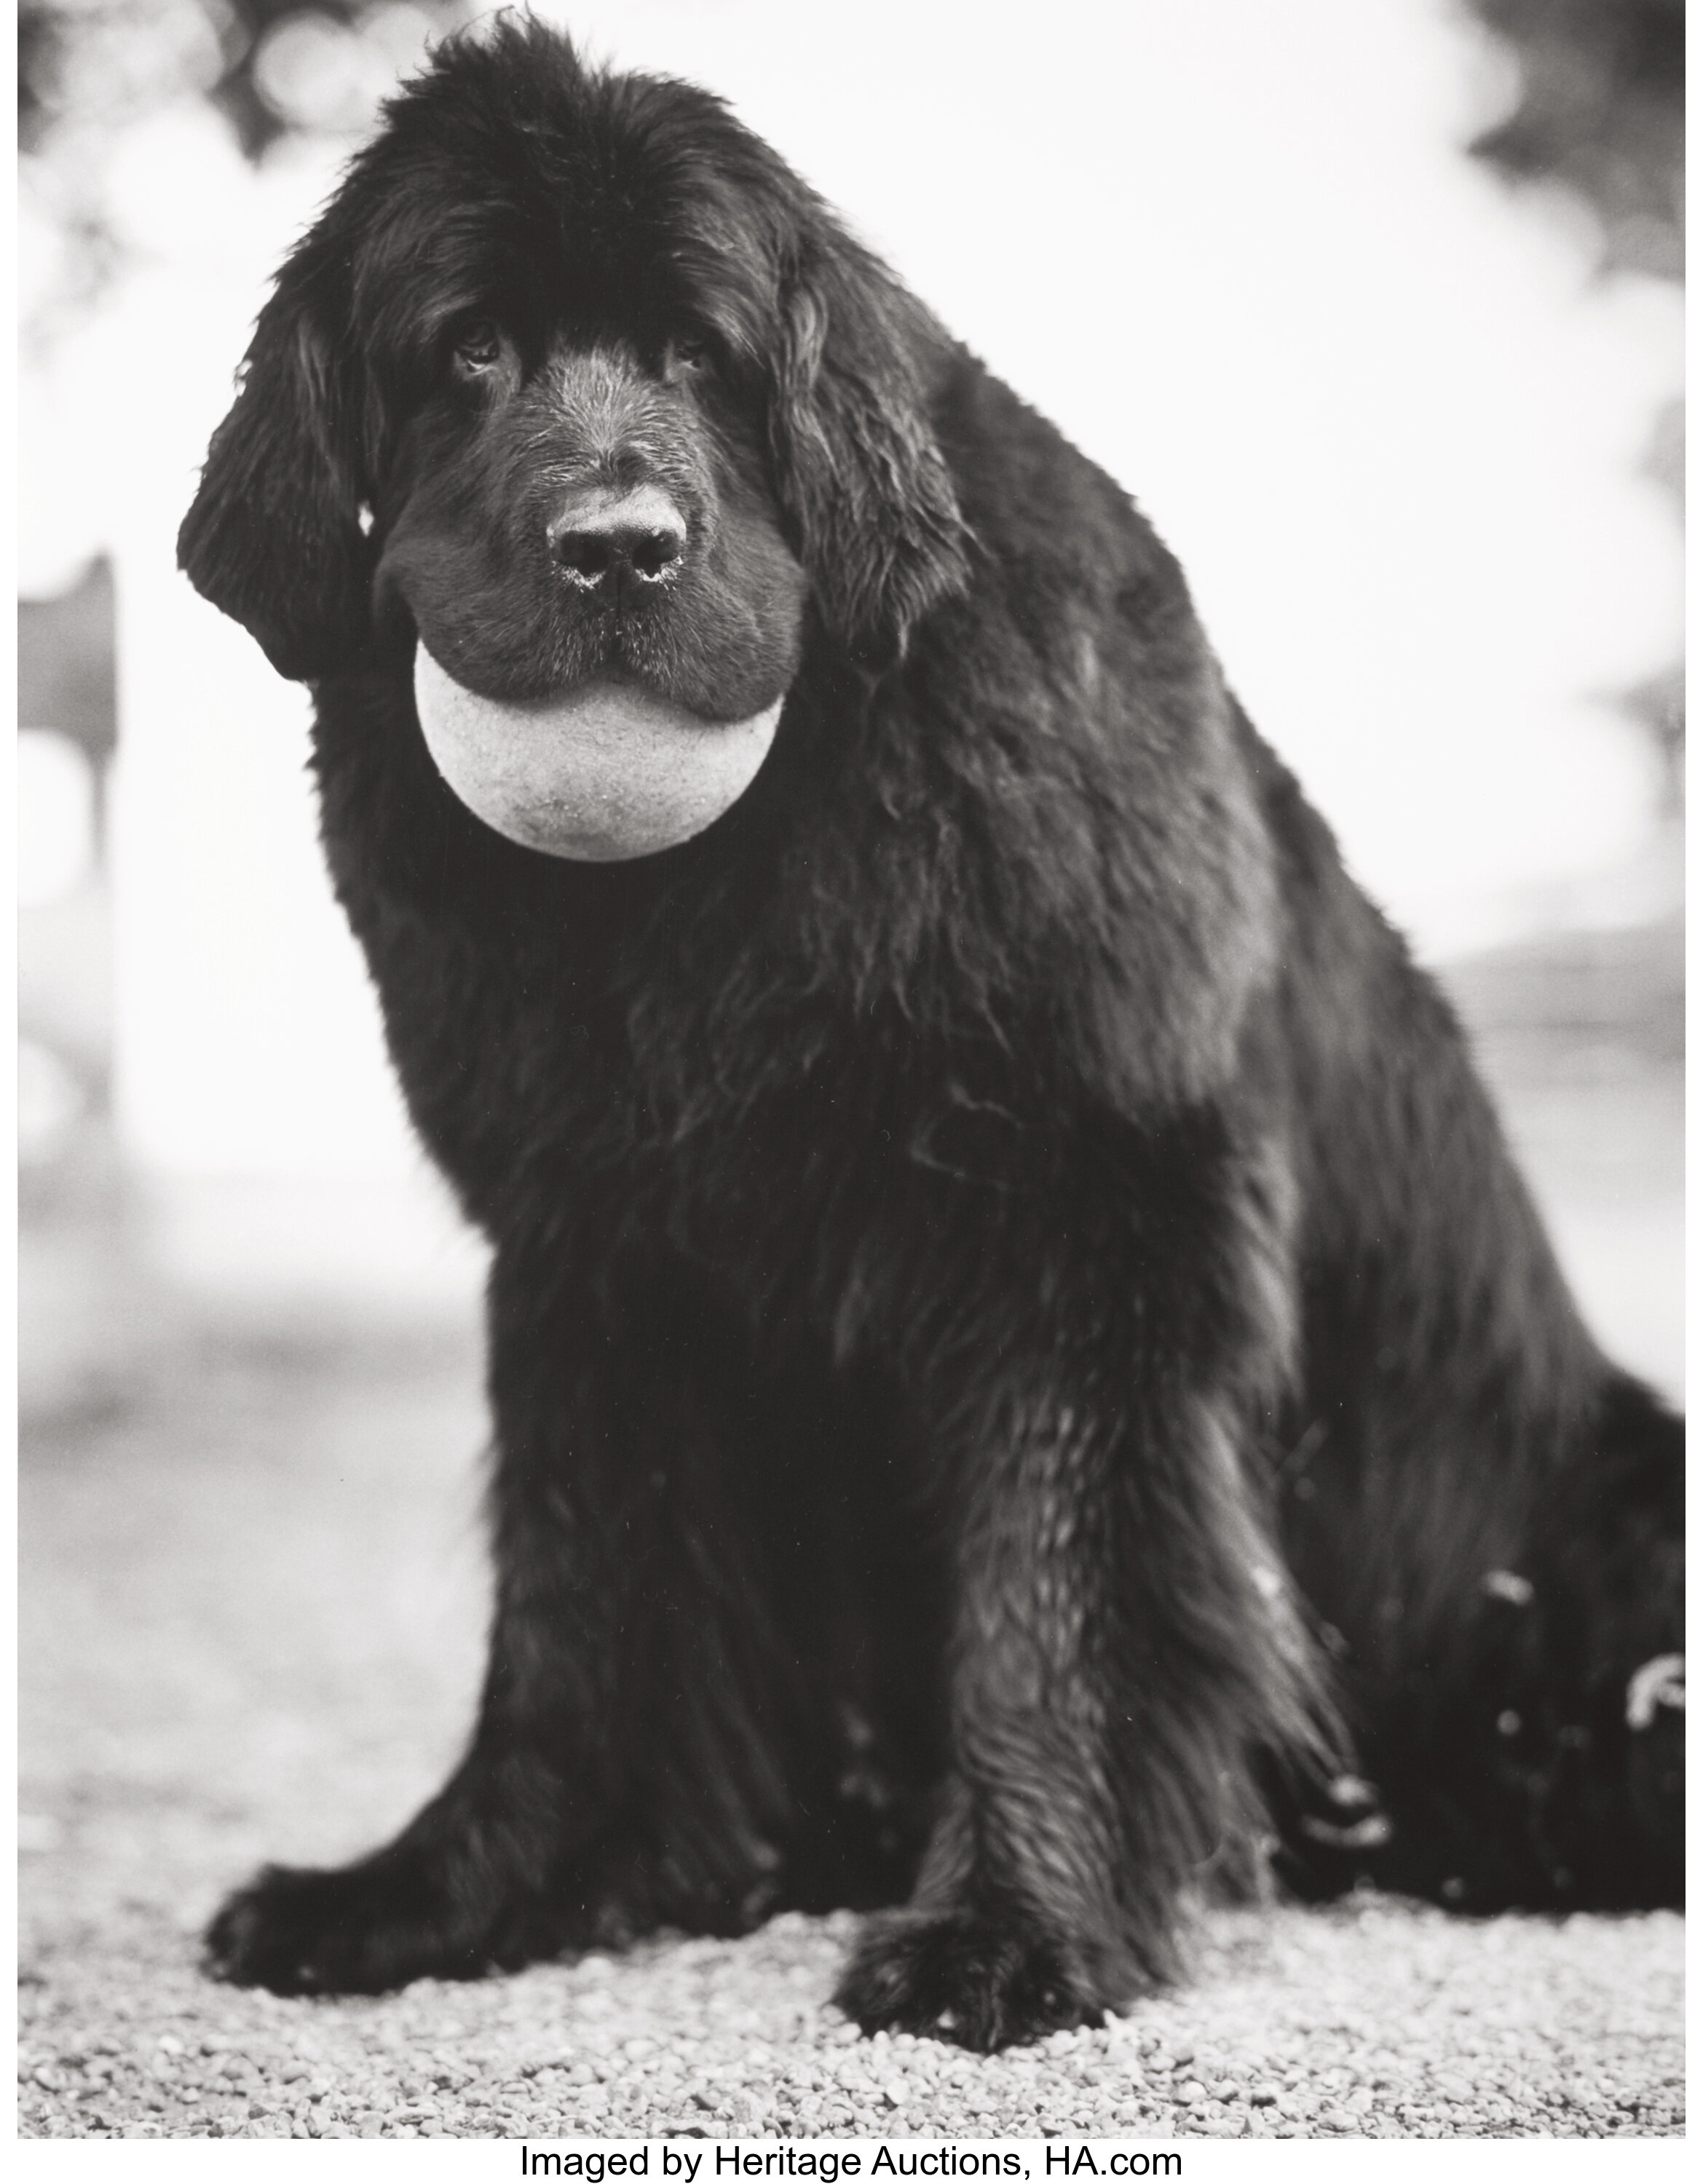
x=89, y=69
x=1601, y=111
x=269, y=65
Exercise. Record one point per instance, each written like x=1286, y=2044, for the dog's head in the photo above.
x=577, y=383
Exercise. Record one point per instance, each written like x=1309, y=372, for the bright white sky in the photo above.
x=1379, y=408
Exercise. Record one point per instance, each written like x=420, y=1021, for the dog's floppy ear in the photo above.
x=274, y=537
x=859, y=469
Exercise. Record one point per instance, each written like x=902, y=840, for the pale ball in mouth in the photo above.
x=607, y=771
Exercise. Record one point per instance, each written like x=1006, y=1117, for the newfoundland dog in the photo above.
x=1019, y=1361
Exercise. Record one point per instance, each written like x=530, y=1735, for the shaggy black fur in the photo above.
x=1016, y=1346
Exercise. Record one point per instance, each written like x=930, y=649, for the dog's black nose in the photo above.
x=600, y=539
x=589, y=555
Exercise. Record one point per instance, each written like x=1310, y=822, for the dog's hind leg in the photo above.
x=1517, y=1702
x=1487, y=1515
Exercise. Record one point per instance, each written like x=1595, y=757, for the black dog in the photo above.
x=1017, y=1349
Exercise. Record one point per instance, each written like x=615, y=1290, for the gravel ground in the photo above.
x=1375, y=2020
x=250, y=1617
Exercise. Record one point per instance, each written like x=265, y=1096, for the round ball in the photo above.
x=606, y=772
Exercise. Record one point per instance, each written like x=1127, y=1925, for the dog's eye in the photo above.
x=690, y=352
x=479, y=346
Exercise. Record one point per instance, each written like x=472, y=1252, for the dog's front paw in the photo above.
x=983, y=1979
x=360, y=1930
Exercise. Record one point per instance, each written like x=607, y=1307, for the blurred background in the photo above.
x=1374, y=305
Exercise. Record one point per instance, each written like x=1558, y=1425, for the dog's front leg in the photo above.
x=1121, y=1647
x=605, y=1785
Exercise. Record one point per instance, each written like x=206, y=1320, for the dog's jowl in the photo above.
x=1019, y=1360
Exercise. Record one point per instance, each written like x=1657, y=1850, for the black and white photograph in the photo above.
x=851, y=1078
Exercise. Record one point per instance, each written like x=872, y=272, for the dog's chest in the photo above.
x=824, y=1167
